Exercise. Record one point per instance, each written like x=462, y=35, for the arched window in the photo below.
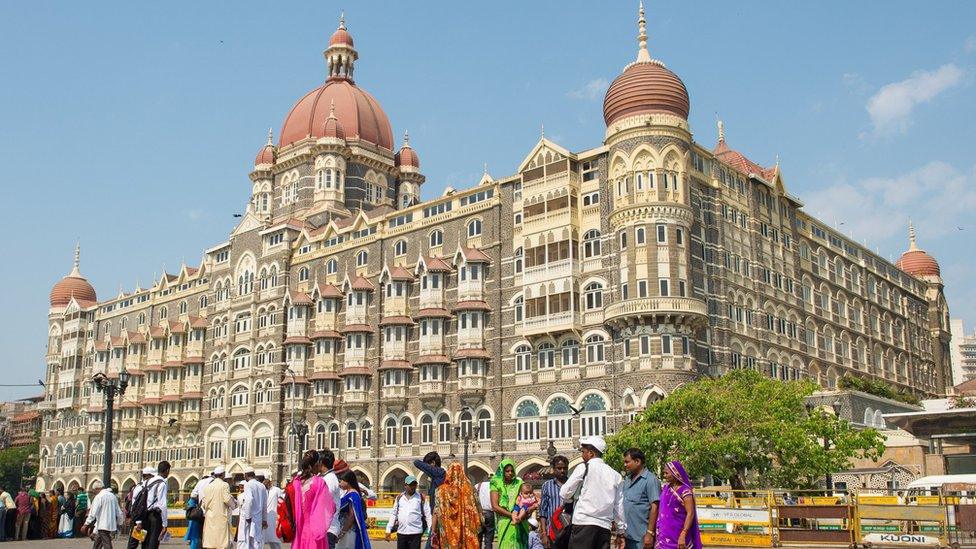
x=182, y=308
x=523, y=358
x=593, y=294
x=443, y=428
x=163, y=313
x=591, y=244
x=351, y=434
x=560, y=419
x=593, y=416
x=320, y=436
x=367, y=438
x=400, y=248
x=484, y=425
x=239, y=397
x=391, y=431
x=570, y=352
x=518, y=260
x=332, y=267
x=465, y=423
x=594, y=349
x=519, y=308
x=436, y=238
x=546, y=356
x=303, y=274
x=406, y=431
x=426, y=429
x=474, y=228
x=362, y=258
x=242, y=359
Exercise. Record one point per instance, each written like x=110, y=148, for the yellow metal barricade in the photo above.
x=902, y=521
x=735, y=518
x=805, y=518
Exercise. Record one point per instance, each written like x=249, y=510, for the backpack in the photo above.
x=423, y=517
x=139, y=510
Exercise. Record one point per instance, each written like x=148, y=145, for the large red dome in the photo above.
x=359, y=113
x=918, y=263
x=73, y=285
x=645, y=87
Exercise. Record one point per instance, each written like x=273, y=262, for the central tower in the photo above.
x=649, y=145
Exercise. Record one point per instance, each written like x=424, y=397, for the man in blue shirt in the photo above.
x=550, y=495
x=642, y=494
x=431, y=466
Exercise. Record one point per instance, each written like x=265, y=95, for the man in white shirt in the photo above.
x=154, y=481
x=197, y=492
x=105, y=515
x=275, y=495
x=598, y=492
x=487, y=533
x=332, y=481
x=411, y=515
x=250, y=530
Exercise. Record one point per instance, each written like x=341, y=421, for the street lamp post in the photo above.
x=110, y=386
x=298, y=431
x=465, y=436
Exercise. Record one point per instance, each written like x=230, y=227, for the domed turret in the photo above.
x=360, y=115
x=916, y=261
x=266, y=156
x=333, y=128
x=73, y=285
x=645, y=86
x=407, y=157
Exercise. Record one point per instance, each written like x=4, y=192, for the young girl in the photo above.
x=525, y=503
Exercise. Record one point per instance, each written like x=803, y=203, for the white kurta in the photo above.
x=254, y=501
x=275, y=495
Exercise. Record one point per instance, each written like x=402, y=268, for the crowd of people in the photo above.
x=33, y=515
x=323, y=506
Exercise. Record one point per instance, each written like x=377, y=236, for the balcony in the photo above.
x=663, y=308
x=394, y=392
x=562, y=217
x=556, y=322
x=431, y=346
x=571, y=373
x=395, y=306
x=523, y=378
x=431, y=299
x=323, y=401
x=432, y=389
x=472, y=385
x=352, y=397
x=546, y=375
x=470, y=290
x=596, y=370
x=548, y=271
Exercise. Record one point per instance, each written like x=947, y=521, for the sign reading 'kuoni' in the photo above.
x=901, y=539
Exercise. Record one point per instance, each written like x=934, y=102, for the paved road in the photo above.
x=81, y=543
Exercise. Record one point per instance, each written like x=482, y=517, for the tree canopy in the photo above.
x=747, y=428
x=15, y=465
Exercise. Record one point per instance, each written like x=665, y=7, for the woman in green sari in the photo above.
x=504, y=488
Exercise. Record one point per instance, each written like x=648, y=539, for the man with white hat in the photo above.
x=105, y=516
x=250, y=529
x=217, y=503
x=275, y=495
x=598, y=492
x=154, y=519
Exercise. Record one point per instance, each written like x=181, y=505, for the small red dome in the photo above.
x=918, y=263
x=360, y=115
x=407, y=156
x=265, y=156
x=333, y=128
x=71, y=286
x=341, y=36
x=645, y=87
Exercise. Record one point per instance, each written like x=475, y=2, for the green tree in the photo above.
x=15, y=464
x=747, y=428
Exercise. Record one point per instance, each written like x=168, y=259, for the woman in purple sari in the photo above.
x=677, y=523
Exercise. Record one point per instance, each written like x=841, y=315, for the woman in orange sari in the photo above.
x=457, y=517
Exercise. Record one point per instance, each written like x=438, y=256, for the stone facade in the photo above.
x=525, y=310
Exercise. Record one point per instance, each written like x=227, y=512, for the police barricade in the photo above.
x=902, y=521
x=961, y=505
x=734, y=518
x=378, y=514
x=804, y=518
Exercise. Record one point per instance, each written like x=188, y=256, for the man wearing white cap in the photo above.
x=217, y=504
x=250, y=529
x=598, y=492
x=105, y=516
x=275, y=495
x=153, y=517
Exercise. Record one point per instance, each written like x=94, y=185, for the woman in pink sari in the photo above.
x=312, y=504
x=677, y=523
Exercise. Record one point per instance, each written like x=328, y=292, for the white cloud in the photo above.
x=891, y=107
x=937, y=196
x=593, y=89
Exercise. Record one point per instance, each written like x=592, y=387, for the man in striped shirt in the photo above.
x=550, y=495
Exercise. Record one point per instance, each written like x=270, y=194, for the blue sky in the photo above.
x=132, y=126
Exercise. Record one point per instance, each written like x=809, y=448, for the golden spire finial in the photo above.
x=721, y=131
x=643, y=56
x=342, y=19
x=912, y=245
